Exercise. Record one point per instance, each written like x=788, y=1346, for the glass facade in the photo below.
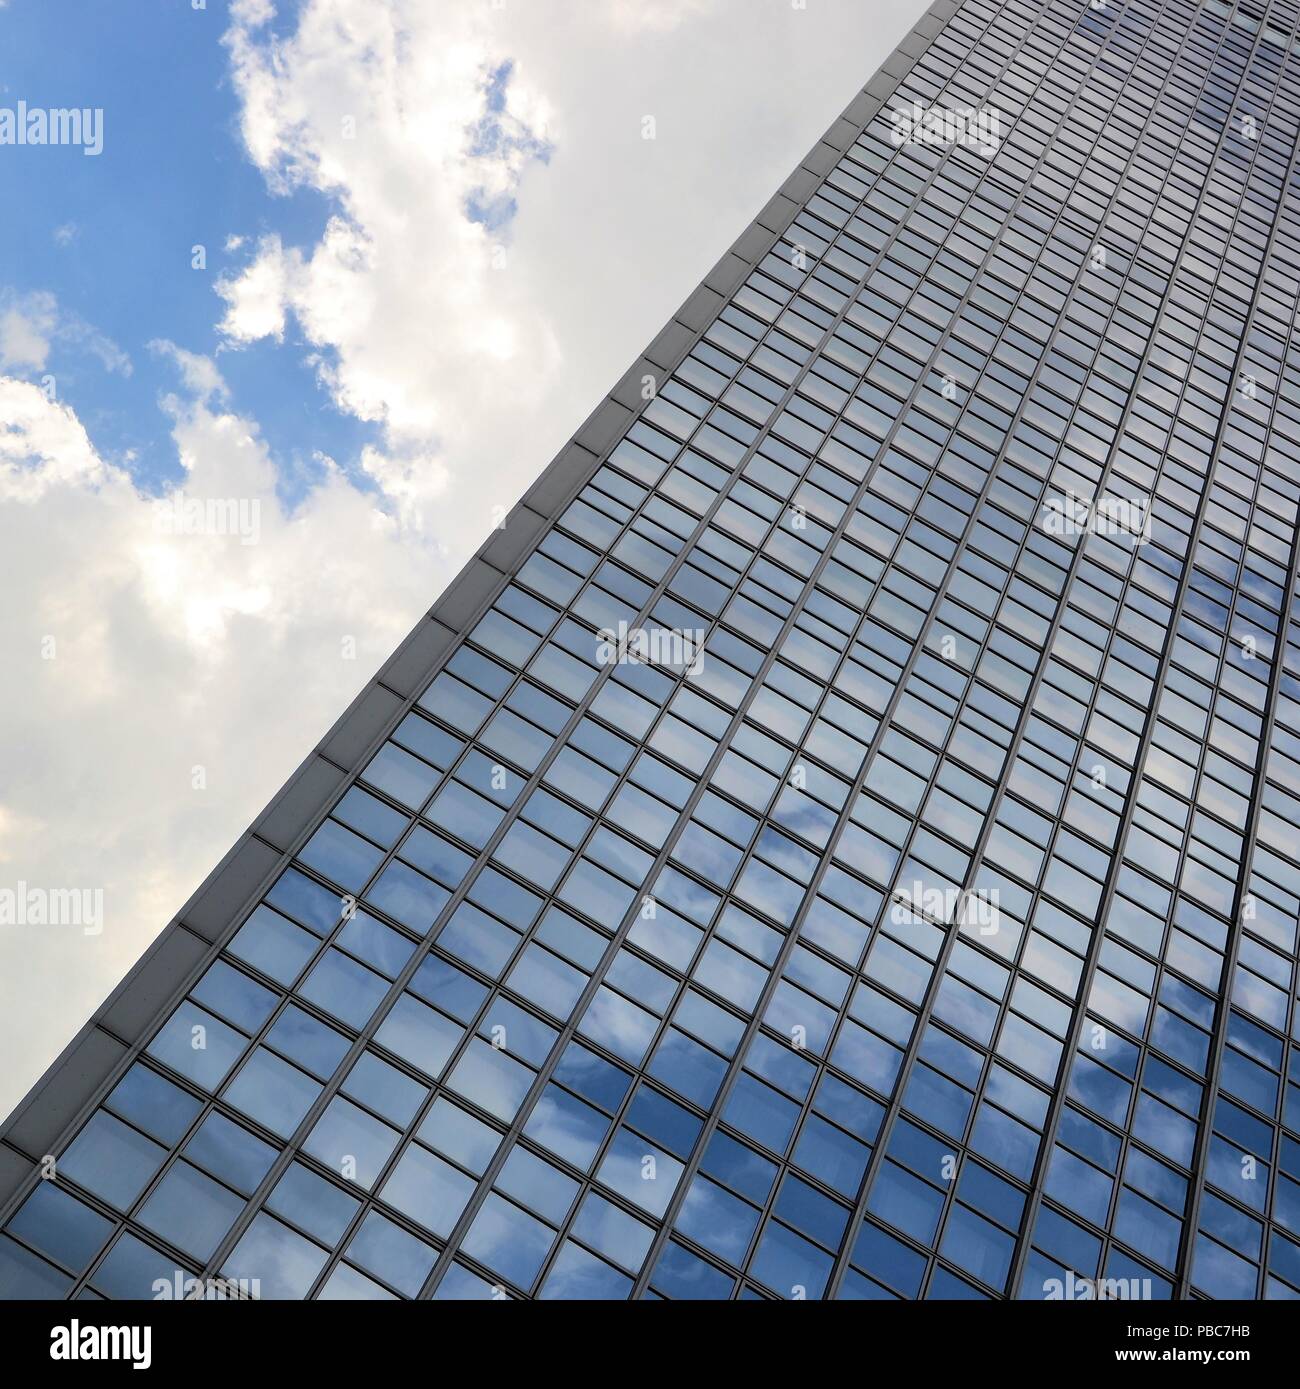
x=852, y=856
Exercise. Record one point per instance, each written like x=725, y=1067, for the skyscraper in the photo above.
x=835, y=840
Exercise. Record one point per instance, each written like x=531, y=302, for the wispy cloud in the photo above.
x=34, y=324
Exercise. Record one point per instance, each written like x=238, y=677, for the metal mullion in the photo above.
x=1144, y=1047
x=895, y=1106
x=210, y=1103
x=1143, y=1043
x=1279, y=1132
x=560, y=741
x=778, y=966
x=962, y=1145
x=119, y=1218
x=808, y=584
x=1224, y=1004
x=409, y=1137
x=1057, y=1101
x=287, y=996
x=753, y=448
x=701, y=785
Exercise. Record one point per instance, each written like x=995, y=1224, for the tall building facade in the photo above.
x=836, y=839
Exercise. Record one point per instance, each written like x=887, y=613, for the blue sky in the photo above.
x=172, y=175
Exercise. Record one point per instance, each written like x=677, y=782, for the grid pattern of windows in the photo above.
x=632, y=968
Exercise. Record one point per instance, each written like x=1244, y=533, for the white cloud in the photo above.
x=256, y=298
x=135, y=655
x=26, y=328
x=654, y=15
x=42, y=445
x=112, y=358
x=199, y=373
x=387, y=108
x=32, y=324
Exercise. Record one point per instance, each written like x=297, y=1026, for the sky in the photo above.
x=340, y=279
